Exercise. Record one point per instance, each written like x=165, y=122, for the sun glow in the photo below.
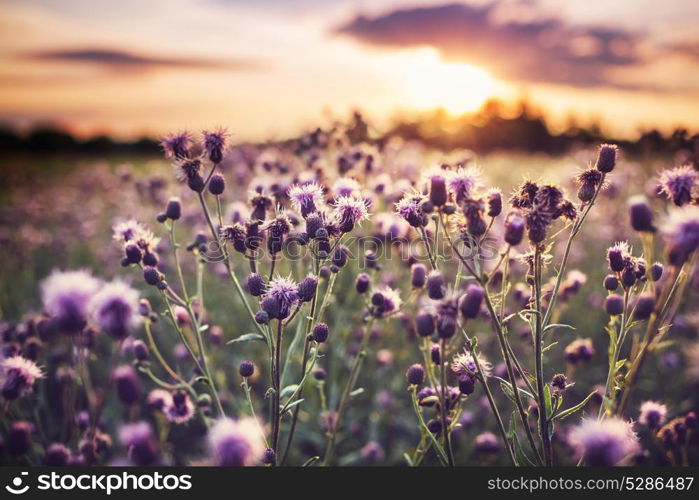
x=430, y=83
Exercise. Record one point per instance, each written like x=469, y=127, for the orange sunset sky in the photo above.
x=269, y=68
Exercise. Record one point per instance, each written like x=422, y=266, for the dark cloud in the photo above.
x=119, y=59
x=540, y=50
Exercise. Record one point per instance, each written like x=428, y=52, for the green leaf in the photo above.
x=507, y=389
x=558, y=325
x=288, y=390
x=549, y=346
x=574, y=409
x=248, y=337
x=289, y=406
x=547, y=401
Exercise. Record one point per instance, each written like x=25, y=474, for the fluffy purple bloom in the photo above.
x=641, y=214
x=180, y=408
x=410, y=209
x=487, y=442
x=464, y=182
x=65, y=295
x=142, y=446
x=653, y=414
x=681, y=232
x=127, y=385
x=350, y=211
x=177, y=145
x=680, y=184
x=115, y=309
x=214, y=143
x=285, y=294
x=345, y=187
x=464, y=365
x=390, y=302
x=604, y=442
x=306, y=198
x=17, y=376
x=236, y=443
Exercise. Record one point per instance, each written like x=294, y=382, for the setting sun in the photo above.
x=430, y=83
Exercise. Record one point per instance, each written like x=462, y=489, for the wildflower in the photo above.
x=57, y=455
x=470, y=303
x=362, y=283
x=255, y=284
x=464, y=182
x=464, y=365
x=152, y=276
x=494, y=200
x=345, y=187
x=611, y=282
x=115, y=309
x=235, y=443
x=524, y=197
x=128, y=387
x=18, y=438
x=436, y=286
x=306, y=198
x=437, y=186
x=283, y=294
x=141, y=443
x=681, y=232
x=537, y=223
x=236, y=235
x=548, y=198
x=606, y=158
x=350, y=211
x=140, y=350
x=410, y=208
x=641, y=214
x=579, y=351
x=604, y=442
x=680, y=184
x=180, y=409
x=424, y=324
x=390, y=302
x=246, y=369
x=372, y=452
x=514, y=228
x=645, y=304
x=127, y=230
x=260, y=203
x=447, y=312
x=214, y=144
x=173, y=209
x=559, y=383
x=17, y=376
x=65, y=295
x=190, y=170
x=418, y=275
x=277, y=229
x=617, y=255
x=589, y=181
x=614, y=304
x=473, y=210
x=415, y=374
x=320, y=332
x=217, y=184
x=340, y=256
x=656, y=271
x=159, y=399
x=177, y=145
x=436, y=354
x=487, y=442
x=653, y=414
x=307, y=288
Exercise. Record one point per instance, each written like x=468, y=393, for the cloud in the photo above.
x=525, y=48
x=121, y=60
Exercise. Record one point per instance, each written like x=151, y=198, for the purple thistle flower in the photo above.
x=346, y=187
x=17, y=376
x=141, y=443
x=180, y=408
x=487, y=442
x=415, y=374
x=285, y=294
x=680, y=184
x=306, y=198
x=65, y=295
x=236, y=443
x=350, y=211
x=641, y=214
x=214, y=143
x=186, y=169
x=410, y=209
x=514, y=228
x=115, y=309
x=606, y=158
x=177, y=145
x=128, y=387
x=653, y=414
x=604, y=442
x=617, y=255
x=681, y=232
x=464, y=182
x=464, y=365
x=307, y=288
x=390, y=302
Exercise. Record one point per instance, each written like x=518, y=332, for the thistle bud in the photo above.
x=611, y=282
x=246, y=369
x=418, y=275
x=320, y=332
x=644, y=306
x=173, y=209
x=424, y=324
x=255, y=284
x=362, y=283
x=606, y=158
x=438, y=190
x=436, y=287
x=470, y=303
x=217, y=184
x=641, y=214
x=614, y=304
x=415, y=374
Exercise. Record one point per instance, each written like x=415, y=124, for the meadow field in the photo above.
x=333, y=301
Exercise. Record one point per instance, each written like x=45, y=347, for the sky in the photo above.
x=270, y=68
